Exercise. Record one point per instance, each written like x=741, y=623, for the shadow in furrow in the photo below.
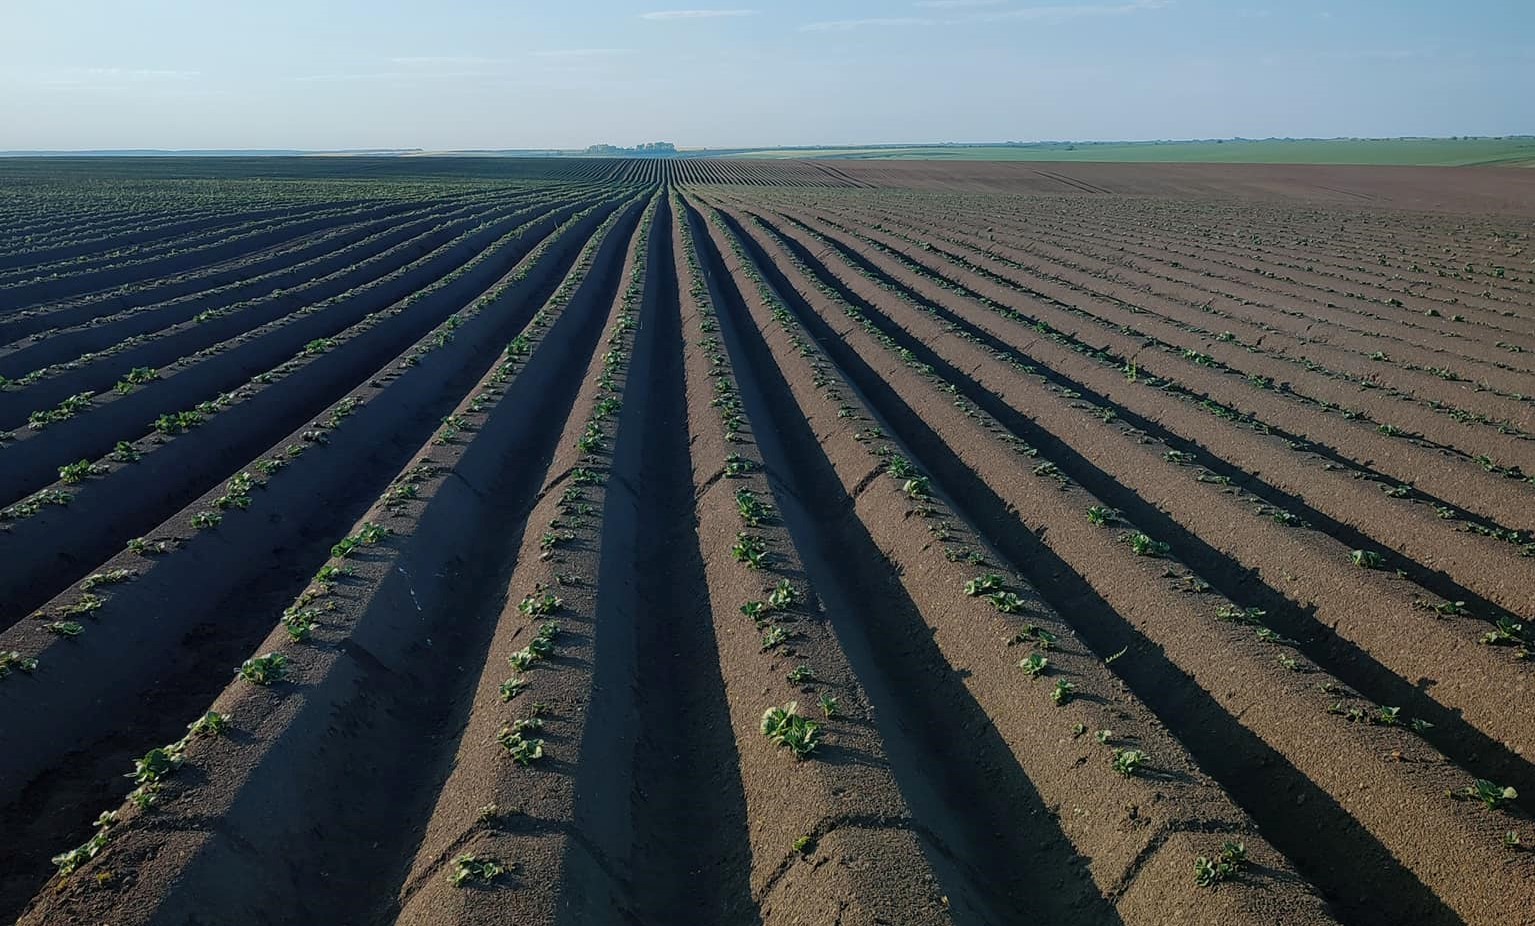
x=988, y=835
x=659, y=760
x=1451, y=734
x=1303, y=821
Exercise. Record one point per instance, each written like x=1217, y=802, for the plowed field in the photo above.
x=731, y=542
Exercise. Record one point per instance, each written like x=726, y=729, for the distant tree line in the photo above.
x=646, y=149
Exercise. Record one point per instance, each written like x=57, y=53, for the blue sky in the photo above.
x=513, y=74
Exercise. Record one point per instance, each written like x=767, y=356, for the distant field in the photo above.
x=1423, y=152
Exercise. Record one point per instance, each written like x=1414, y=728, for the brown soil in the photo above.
x=1067, y=481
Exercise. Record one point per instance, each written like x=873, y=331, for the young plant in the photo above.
x=776, y=635
x=469, y=868
x=156, y=765
x=1062, y=692
x=210, y=724
x=1227, y=865
x=982, y=584
x=1128, y=762
x=537, y=605
x=829, y=706
x=1487, y=792
x=801, y=675
x=1235, y=615
x=523, y=749
x=749, y=549
x=300, y=623
x=752, y=509
x=1367, y=559
x=1034, y=665
x=264, y=670
x=1006, y=602
x=1143, y=545
x=11, y=659
x=737, y=466
x=1101, y=516
x=1508, y=632
x=785, y=727
x=783, y=596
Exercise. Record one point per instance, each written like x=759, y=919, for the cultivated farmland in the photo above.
x=721, y=541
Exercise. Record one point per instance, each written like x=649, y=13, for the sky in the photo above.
x=461, y=74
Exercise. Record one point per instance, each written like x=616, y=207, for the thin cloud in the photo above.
x=696, y=14
x=440, y=60
x=1052, y=13
x=1066, y=11
x=844, y=25
x=582, y=52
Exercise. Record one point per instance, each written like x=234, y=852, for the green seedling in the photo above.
x=537, y=605
x=124, y=452
x=1227, y=865
x=1029, y=633
x=156, y=765
x=1449, y=608
x=752, y=509
x=1034, y=665
x=1128, y=762
x=1387, y=716
x=1062, y=692
x=300, y=623
x=1103, y=736
x=758, y=611
x=980, y=585
x=513, y=687
x=109, y=577
x=582, y=476
x=1006, y=602
x=1485, y=791
x=783, y=596
x=264, y=670
x=1078, y=730
x=205, y=520
x=749, y=549
x=1419, y=725
x=1143, y=545
x=76, y=473
x=68, y=862
x=145, y=547
x=918, y=487
x=210, y=724
x=64, y=628
x=737, y=466
x=1288, y=519
x=1367, y=559
x=1236, y=615
x=801, y=675
x=1507, y=632
x=11, y=659
x=1101, y=516
x=776, y=636
x=469, y=868
x=785, y=727
x=804, y=845
x=829, y=706
x=329, y=573
x=524, y=750
x=1511, y=840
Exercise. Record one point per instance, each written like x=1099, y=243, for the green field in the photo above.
x=1511, y=151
